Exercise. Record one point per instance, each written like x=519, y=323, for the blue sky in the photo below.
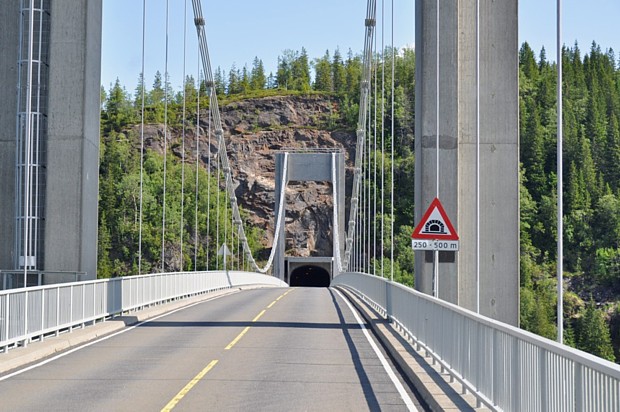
x=239, y=30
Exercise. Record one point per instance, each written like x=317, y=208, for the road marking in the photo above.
x=239, y=336
x=259, y=315
x=244, y=331
x=188, y=387
x=399, y=387
x=86, y=345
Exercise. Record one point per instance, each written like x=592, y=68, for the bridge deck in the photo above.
x=277, y=349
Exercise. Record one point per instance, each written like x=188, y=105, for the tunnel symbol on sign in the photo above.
x=434, y=226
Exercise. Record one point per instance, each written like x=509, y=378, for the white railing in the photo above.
x=505, y=367
x=27, y=314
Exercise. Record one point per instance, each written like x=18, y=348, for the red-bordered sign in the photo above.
x=435, y=224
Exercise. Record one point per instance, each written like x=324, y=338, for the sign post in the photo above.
x=224, y=251
x=435, y=232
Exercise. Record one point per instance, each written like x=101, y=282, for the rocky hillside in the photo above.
x=255, y=130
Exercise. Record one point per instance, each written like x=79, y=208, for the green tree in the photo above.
x=118, y=111
x=257, y=76
x=593, y=333
x=300, y=72
x=339, y=74
x=322, y=74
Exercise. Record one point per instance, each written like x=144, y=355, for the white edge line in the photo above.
x=126, y=329
x=401, y=390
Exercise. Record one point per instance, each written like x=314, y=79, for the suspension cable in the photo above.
x=209, y=91
x=382, y=135
x=392, y=156
x=374, y=264
x=183, y=132
x=217, y=210
x=163, y=222
x=197, y=171
x=142, y=86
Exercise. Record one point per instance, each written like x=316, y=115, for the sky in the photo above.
x=240, y=30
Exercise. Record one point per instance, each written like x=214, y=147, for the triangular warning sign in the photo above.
x=435, y=224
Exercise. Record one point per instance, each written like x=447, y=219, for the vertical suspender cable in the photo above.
x=217, y=215
x=369, y=184
x=381, y=249
x=163, y=220
x=560, y=314
x=197, y=170
x=436, y=253
x=142, y=86
x=392, y=157
x=28, y=135
x=477, y=156
x=209, y=172
x=183, y=133
x=374, y=215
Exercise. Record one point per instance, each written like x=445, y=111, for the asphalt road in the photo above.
x=265, y=349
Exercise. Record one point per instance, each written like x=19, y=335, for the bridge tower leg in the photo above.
x=499, y=149
x=69, y=133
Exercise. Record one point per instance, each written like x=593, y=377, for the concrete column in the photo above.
x=73, y=133
x=9, y=39
x=499, y=150
x=278, y=261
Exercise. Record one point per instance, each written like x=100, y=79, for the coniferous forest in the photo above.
x=591, y=106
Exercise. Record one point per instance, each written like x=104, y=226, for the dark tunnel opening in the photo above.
x=310, y=276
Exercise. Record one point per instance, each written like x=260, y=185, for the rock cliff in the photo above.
x=255, y=129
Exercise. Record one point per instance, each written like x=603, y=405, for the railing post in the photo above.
x=42, y=312
x=71, y=307
x=388, y=300
x=515, y=375
x=578, y=387
x=542, y=361
x=7, y=321
x=57, y=309
x=83, y=304
x=25, y=317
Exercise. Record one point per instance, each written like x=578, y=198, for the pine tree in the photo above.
x=300, y=72
x=322, y=74
x=257, y=76
x=593, y=333
x=339, y=74
x=118, y=109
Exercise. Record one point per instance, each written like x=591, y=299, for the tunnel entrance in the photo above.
x=310, y=276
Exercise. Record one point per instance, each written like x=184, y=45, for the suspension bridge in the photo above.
x=239, y=335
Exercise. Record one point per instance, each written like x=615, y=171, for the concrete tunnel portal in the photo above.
x=308, y=271
x=310, y=276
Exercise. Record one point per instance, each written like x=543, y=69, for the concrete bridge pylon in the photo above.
x=446, y=41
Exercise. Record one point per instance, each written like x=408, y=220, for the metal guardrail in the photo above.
x=505, y=367
x=29, y=314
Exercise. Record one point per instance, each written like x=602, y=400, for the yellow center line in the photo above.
x=239, y=336
x=188, y=387
x=244, y=331
x=259, y=315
